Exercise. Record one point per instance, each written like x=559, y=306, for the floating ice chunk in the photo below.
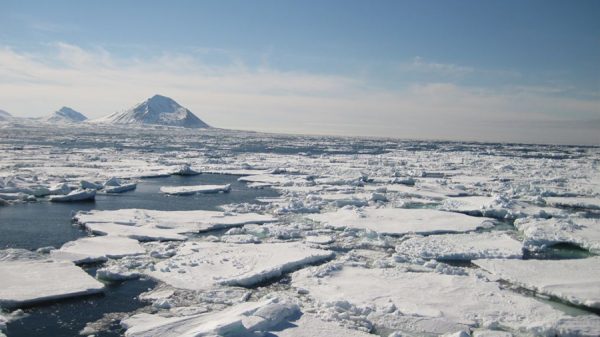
x=187, y=190
x=239, y=320
x=398, y=221
x=499, y=207
x=113, y=181
x=33, y=281
x=471, y=246
x=185, y=170
x=95, y=249
x=576, y=281
x=312, y=326
x=89, y=185
x=121, y=188
x=140, y=233
x=181, y=221
x=320, y=239
x=540, y=234
x=77, y=195
x=462, y=299
x=574, y=202
x=59, y=189
x=202, y=265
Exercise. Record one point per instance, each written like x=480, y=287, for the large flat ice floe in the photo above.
x=574, y=202
x=398, y=221
x=433, y=298
x=470, y=246
x=540, y=233
x=97, y=249
x=267, y=317
x=34, y=281
x=202, y=265
x=77, y=195
x=181, y=221
x=575, y=281
x=188, y=190
x=140, y=233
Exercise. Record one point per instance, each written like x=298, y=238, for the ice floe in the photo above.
x=576, y=280
x=202, y=265
x=181, y=221
x=396, y=299
x=96, y=249
x=540, y=233
x=187, y=190
x=77, y=195
x=470, y=246
x=400, y=221
x=32, y=281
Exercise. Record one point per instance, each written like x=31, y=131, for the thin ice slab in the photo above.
x=540, y=233
x=182, y=221
x=189, y=190
x=464, y=300
x=97, y=249
x=74, y=196
x=399, y=221
x=470, y=246
x=203, y=265
x=575, y=281
x=30, y=282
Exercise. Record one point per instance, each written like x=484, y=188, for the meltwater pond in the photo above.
x=41, y=224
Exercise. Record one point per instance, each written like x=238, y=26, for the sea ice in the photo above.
x=33, y=281
x=187, y=190
x=574, y=202
x=540, y=233
x=140, y=233
x=120, y=188
x=243, y=319
x=181, y=221
x=464, y=300
x=77, y=195
x=470, y=246
x=576, y=280
x=95, y=249
x=398, y=221
x=202, y=265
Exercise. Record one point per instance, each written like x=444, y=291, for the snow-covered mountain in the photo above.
x=157, y=110
x=4, y=116
x=65, y=115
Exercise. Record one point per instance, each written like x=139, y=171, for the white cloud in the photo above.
x=97, y=83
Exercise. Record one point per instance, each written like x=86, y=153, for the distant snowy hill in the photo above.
x=157, y=110
x=4, y=116
x=65, y=115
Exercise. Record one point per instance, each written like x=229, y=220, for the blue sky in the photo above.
x=477, y=70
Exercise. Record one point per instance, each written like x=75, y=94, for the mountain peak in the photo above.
x=65, y=115
x=157, y=110
x=5, y=115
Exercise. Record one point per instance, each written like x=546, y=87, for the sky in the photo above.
x=511, y=71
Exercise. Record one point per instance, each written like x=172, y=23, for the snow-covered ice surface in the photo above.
x=181, y=221
x=402, y=221
x=576, y=281
x=96, y=249
x=542, y=233
x=448, y=301
x=26, y=282
x=185, y=190
x=352, y=236
x=202, y=265
x=471, y=246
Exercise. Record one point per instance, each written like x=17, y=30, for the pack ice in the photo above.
x=187, y=190
x=178, y=221
x=203, y=265
x=441, y=303
x=399, y=221
x=25, y=282
x=575, y=281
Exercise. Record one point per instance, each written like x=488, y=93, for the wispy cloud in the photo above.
x=236, y=95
